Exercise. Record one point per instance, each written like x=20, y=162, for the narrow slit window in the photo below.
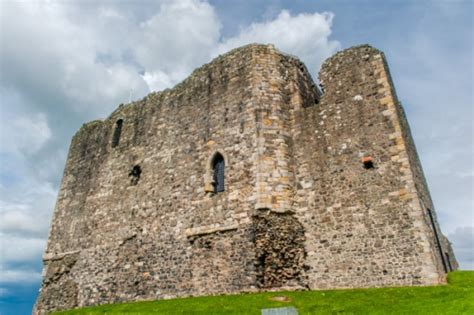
x=448, y=261
x=438, y=242
x=218, y=167
x=117, y=132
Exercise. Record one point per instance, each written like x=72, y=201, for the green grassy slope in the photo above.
x=455, y=298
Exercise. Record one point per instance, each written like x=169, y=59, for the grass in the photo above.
x=455, y=298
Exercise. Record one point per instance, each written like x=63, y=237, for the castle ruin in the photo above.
x=246, y=177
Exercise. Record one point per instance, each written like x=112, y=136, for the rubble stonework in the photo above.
x=322, y=190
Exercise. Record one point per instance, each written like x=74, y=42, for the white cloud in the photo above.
x=24, y=276
x=158, y=80
x=177, y=39
x=304, y=35
x=26, y=200
x=20, y=220
x=186, y=34
x=55, y=58
x=25, y=135
x=463, y=242
x=25, y=215
x=88, y=58
x=19, y=249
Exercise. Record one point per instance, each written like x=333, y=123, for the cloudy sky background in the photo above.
x=63, y=63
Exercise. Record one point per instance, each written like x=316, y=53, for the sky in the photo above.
x=63, y=63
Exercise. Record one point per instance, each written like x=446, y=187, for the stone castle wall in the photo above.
x=139, y=219
x=365, y=226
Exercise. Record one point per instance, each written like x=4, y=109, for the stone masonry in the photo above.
x=322, y=189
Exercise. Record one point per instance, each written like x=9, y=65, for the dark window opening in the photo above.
x=218, y=167
x=117, y=132
x=135, y=173
x=368, y=162
x=438, y=243
x=368, y=165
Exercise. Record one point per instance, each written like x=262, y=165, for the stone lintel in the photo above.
x=203, y=230
x=56, y=256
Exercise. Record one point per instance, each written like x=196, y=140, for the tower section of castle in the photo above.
x=245, y=177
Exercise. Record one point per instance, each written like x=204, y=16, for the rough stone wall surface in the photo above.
x=280, y=252
x=137, y=218
x=365, y=227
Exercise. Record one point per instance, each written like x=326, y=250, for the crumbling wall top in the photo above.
x=330, y=69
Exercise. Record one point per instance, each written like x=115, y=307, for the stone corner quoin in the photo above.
x=246, y=177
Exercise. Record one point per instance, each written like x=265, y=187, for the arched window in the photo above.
x=117, y=132
x=218, y=168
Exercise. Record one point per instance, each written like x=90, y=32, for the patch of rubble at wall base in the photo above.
x=279, y=247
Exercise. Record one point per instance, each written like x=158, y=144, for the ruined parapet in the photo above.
x=245, y=177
